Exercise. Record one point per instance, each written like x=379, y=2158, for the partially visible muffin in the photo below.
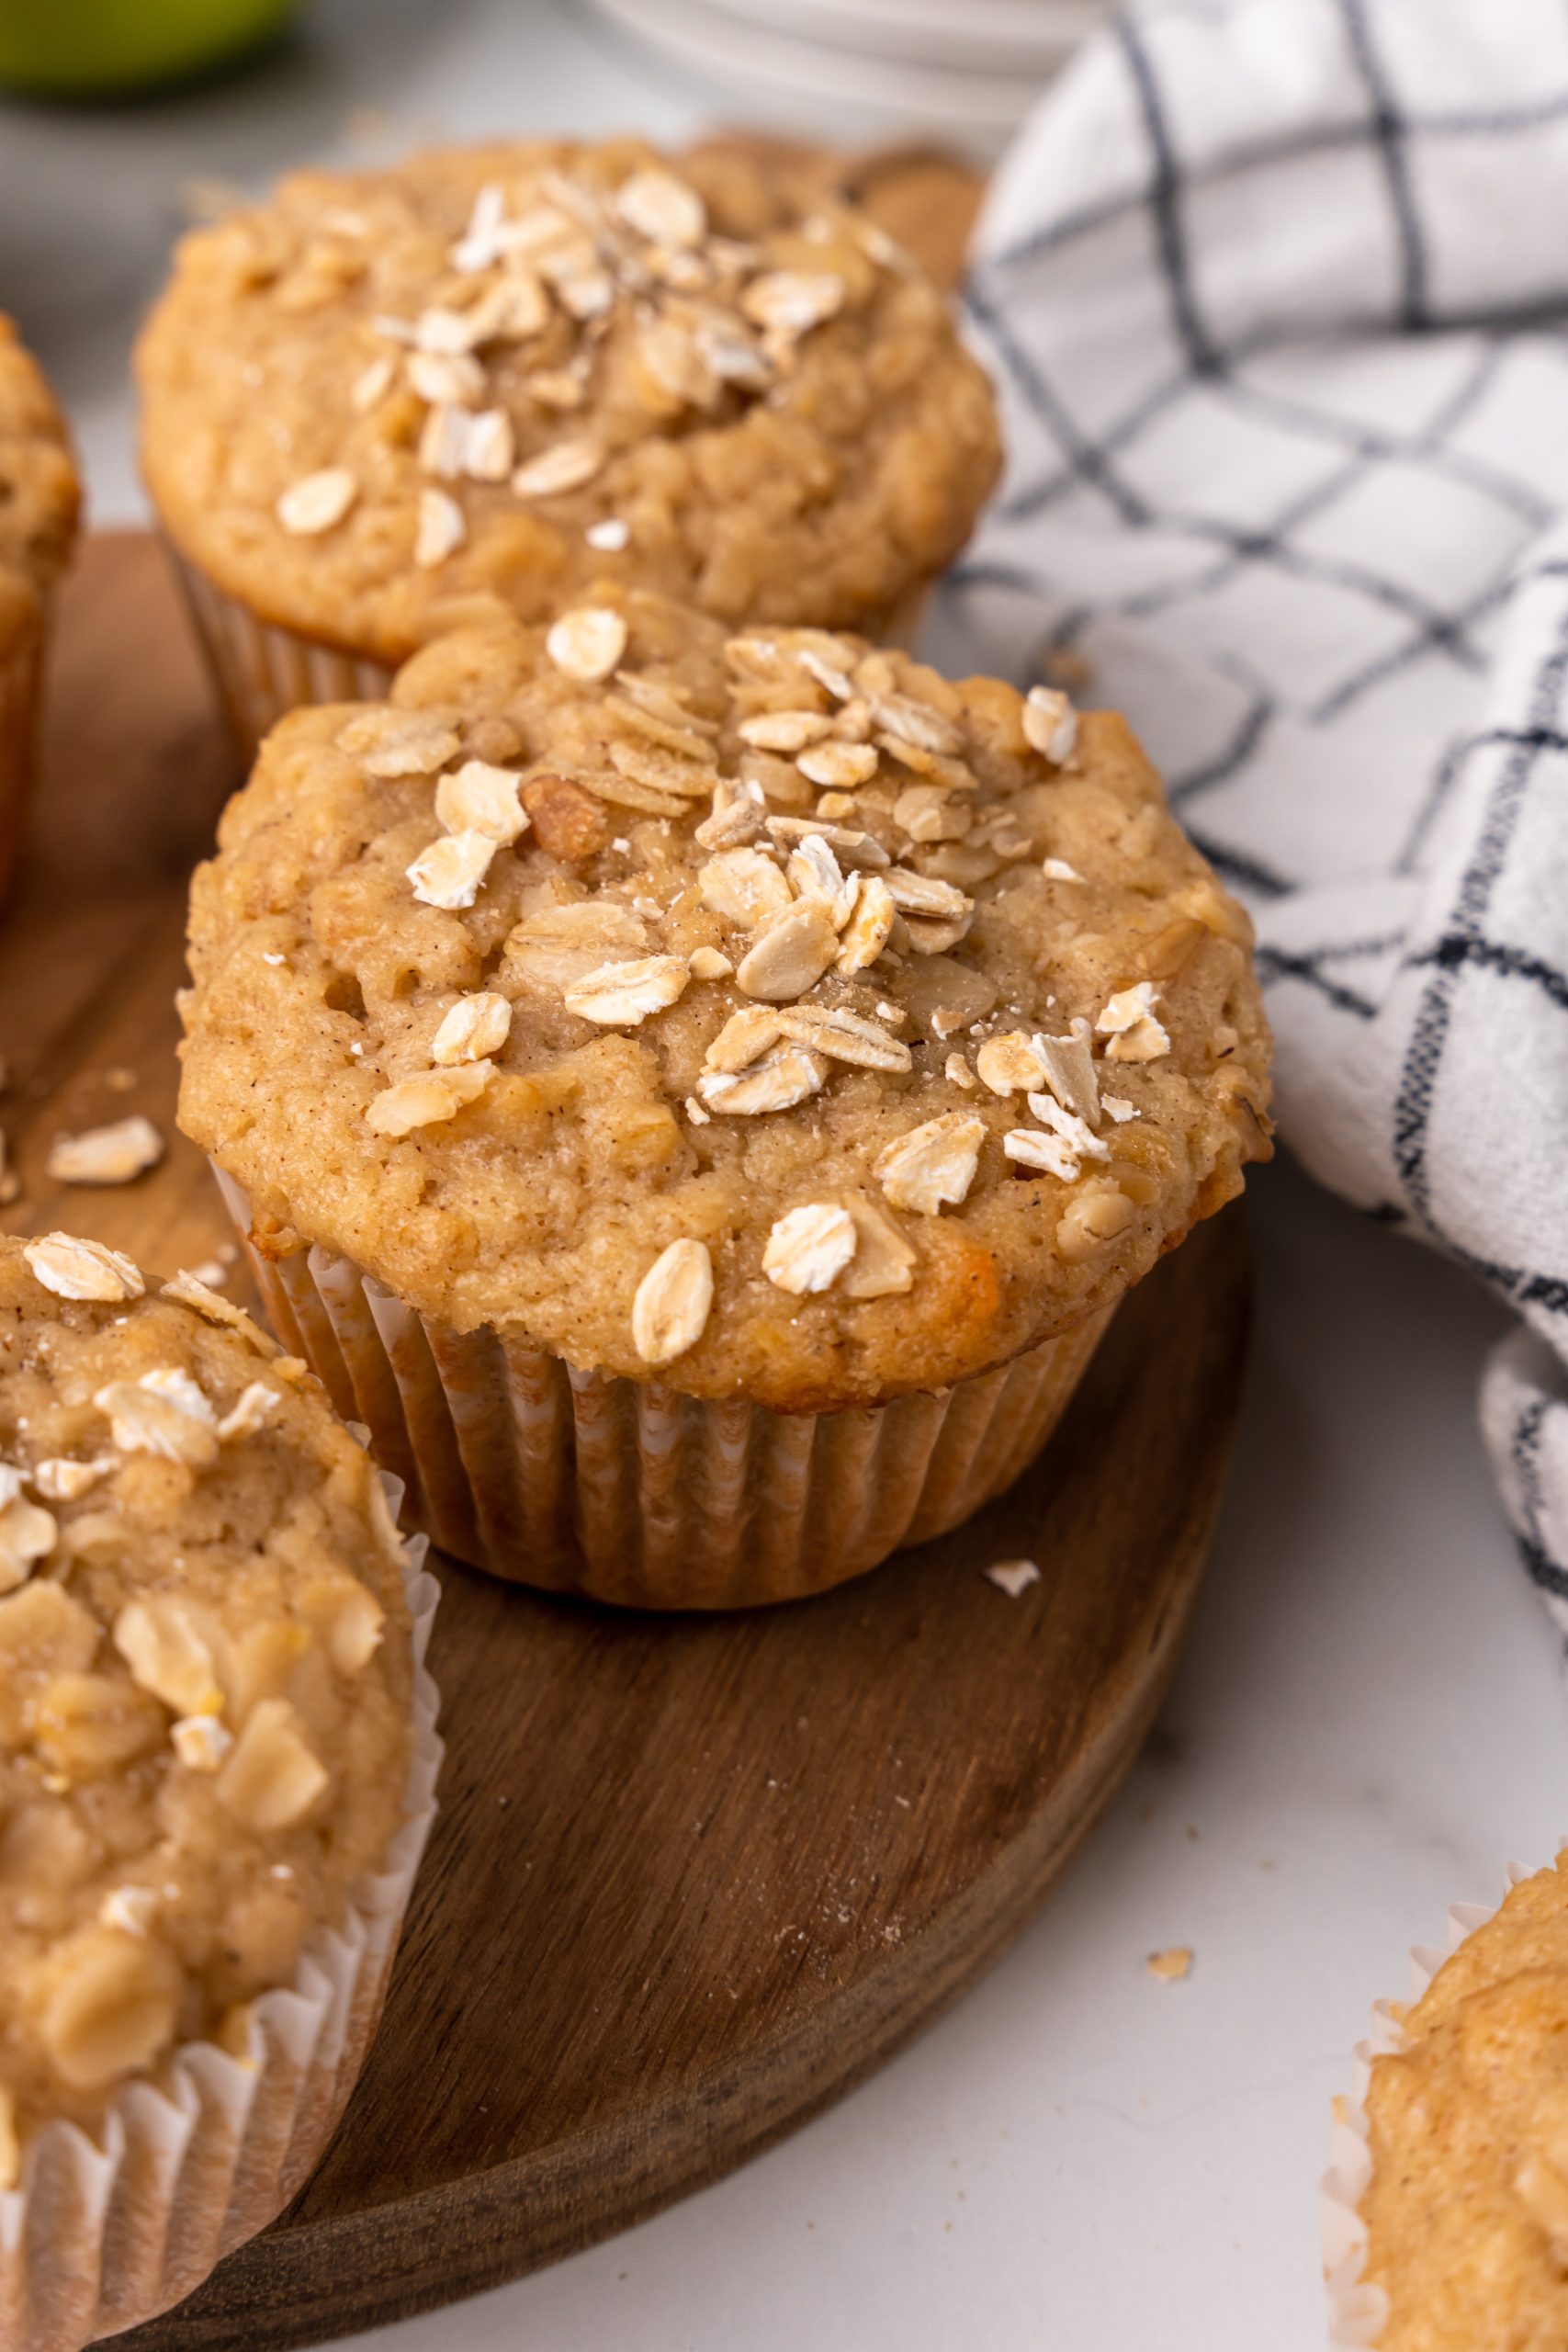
x=1467, y=2206
x=40, y=495
x=759, y=1019
x=207, y=1723
x=39, y=501
x=389, y=401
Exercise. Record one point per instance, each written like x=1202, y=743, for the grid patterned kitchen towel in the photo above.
x=1276, y=296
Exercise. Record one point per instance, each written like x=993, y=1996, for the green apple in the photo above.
x=79, y=49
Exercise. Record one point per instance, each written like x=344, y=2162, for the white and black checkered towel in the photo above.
x=1276, y=296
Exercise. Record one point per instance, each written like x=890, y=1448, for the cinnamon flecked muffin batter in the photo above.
x=205, y=1675
x=389, y=401
x=763, y=1012
x=1467, y=2210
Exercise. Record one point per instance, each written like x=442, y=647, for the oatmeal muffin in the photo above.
x=697, y=1097
x=216, y=1753
x=1467, y=2206
x=390, y=403
x=39, y=503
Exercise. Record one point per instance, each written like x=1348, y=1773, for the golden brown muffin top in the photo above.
x=40, y=495
x=606, y=965
x=389, y=402
x=1467, y=2209
x=205, y=1674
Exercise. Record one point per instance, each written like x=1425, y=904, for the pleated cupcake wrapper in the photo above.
x=1357, y=2311
x=22, y=701
x=103, y=2232
x=263, y=670
x=901, y=623
x=623, y=1491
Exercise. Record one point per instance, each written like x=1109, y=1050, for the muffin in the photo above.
x=698, y=1097
x=391, y=402
x=1465, y=2209
x=40, y=499
x=217, y=1754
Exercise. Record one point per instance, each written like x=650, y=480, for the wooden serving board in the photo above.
x=692, y=1879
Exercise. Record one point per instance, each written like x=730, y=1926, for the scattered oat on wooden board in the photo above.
x=1013, y=1577
x=110, y=1155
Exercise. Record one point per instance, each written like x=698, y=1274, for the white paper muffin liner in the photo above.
x=1357, y=2311
x=901, y=623
x=21, y=702
x=100, y=2234
x=263, y=670
x=622, y=1490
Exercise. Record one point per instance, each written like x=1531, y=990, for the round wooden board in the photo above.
x=692, y=1879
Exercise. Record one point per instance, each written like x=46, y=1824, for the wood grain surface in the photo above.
x=691, y=1879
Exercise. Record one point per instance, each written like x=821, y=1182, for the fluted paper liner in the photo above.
x=625, y=1492
x=102, y=2233
x=21, y=696
x=1357, y=2311
x=263, y=670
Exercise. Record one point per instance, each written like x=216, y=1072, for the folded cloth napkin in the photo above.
x=1275, y=294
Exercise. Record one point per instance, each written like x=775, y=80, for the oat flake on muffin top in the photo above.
x=384, y=401
x=205, y=1674
x=764, y=1011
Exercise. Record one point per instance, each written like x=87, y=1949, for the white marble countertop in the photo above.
x=1371, y=1721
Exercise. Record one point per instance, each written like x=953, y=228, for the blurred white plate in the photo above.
x=989, y=36
x=813, y=84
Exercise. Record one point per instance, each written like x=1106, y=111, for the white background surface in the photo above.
x=1080, y=2156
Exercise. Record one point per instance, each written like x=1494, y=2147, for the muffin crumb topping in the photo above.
x=571, y=928
x=193, y=1659
x=526, y=357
